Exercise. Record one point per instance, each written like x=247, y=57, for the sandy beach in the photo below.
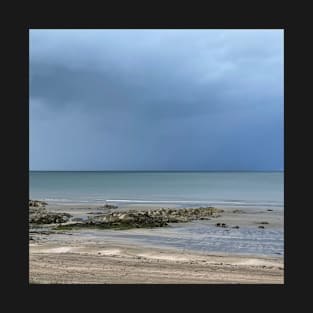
x=115, y=257
x=118, y=264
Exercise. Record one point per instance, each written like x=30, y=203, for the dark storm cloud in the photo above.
x=152, y=99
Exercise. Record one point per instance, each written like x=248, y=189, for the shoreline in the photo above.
x=236, y=204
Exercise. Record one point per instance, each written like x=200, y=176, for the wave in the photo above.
x=207, y=202
x=217, y=202
x=154, y=201
x=64, y=200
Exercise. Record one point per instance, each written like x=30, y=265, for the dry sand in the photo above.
x=121, y=264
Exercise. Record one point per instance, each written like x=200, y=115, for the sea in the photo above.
x=242, y=189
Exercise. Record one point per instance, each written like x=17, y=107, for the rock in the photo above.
x=235, y=227
x=263, y=223
x=238, y=211
x=36, y=203
x=182, y=219
x=261, y=227
x=110, y=206
x=220, y=225
x=44, y=217
x=270, y=210
x=136, y=218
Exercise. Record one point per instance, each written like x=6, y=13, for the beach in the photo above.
x=117, y=264
x=156, y=156
x=161, y=255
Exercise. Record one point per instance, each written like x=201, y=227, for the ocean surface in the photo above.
x=253, y=189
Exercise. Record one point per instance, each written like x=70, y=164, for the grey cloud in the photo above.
x=156, y=99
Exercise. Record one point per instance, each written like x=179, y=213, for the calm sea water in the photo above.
x=253, y=189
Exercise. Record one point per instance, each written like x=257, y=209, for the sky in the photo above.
x=156, y=100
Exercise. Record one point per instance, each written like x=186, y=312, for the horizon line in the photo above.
x=157, y=170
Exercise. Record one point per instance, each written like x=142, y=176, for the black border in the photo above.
x=268, y=17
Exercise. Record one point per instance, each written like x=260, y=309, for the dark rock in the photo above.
x=236, y=226
x=36, y=203
x=261, y=227
x=146, y=218
x=220, y=225
x=238, y=211
x=110, y=206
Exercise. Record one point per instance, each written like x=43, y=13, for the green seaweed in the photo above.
x=102, y=226
x=63, y=227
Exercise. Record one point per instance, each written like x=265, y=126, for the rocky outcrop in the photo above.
x=36, y=203
x=38, y=214
x=44, y=217
x=146, y=218
x=126, y=220
x=110, y=206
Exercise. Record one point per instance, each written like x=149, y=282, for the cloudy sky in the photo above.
x=156, y=99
